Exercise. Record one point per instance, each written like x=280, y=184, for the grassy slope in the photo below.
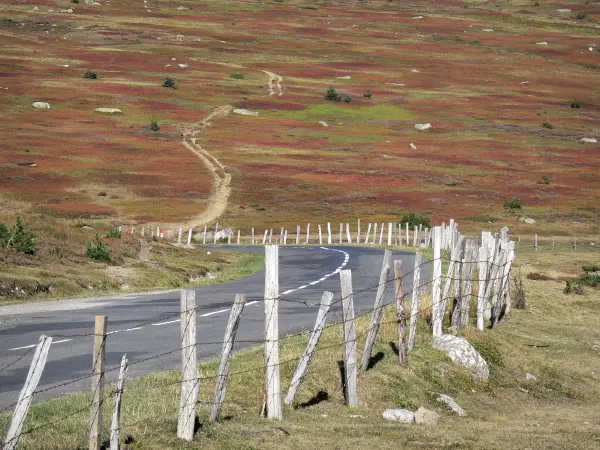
x=559, y=410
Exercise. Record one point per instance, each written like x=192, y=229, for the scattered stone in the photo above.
x=487, y=30
x=423, y=126
x=588, y=140
x=462, y=353
x=413, y=146
x=591, y=49
x=541, y=43
x=109, y=110
x=41, y=105
x=451, y=403
x=426, y=417
x=356, y=416
x=92, y=2
x=181, y=8
x=173, y=59
x=400, y=415
x=183, y=66
x=527, y=220
x=345, y=77
x=63, y=65
x=563, y=10
x=245, y=112
x=417, y=17
x=524, y=82
x=323, y=123
x=414, y=71
x=208, y=253
x=530, y=377
x=180, y=37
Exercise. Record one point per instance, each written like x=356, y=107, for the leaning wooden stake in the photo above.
x=368, y=232
x=414, y=307
x=400, y=313
x=320, y=235
x=26, y=396
x=437, y=283
x=310, y=348
x=349, y=339
x=377, y=310
x=272, y=382
x=97, y=406
x=297, y=234
x=190, y=382
x=115, y=428
x=230, y=332
x=348, y=235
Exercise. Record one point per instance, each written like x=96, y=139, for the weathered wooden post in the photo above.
x=265, y=237
x=358, y=232
x=469, y=265
x=308, y=233
x=437, y=316
x=229, y=237
x=252, y=236
x=329, y=233
x=297, y=234
x=320, y=235
x=390, y=233
x=349, y=339
x=535, y=245
x=381, y=233
x=270, y=235
x=190, y=382
x=216, y=231
x=348, y=235
x=400, y=313
x=377, y=310
x=414, y=307
x=115, y=427
x=26, y=395
x=374, y=233
x=97, y=406
x=239, y=237
x=204, y=237
x=179, y=237
x=407, y=237
x=310, y=348
x=341, y=233
x=285, y=237
x=368, y=232
x=272, y=381
x=230, y=332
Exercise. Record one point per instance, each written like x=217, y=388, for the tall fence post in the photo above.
x=348, y=235
x=437, y=283
x=374, y=233
x=307, y=233
x=390, y=233
x=115, y=428
x=239, y=236
x=190, y=382
x=377, y=310
x=320, y=235
x=341, y=233
x=216, y=231
x=310, y=348
x=536, y=243
x=329, y=233
x=179, y=237
x=26, y=395
x=407, y=236
x=270, y=235
x=368, y=232
x=400, y=313
x=204, y=237
x=230, y=332
x=97, y=406
x=265, y=237
x=297, y=234
x=272, y=381
x=349, y=339
x=252, y=236
x=358, y=232
x=189, y=241
x=414, y=307
x=381, y=233
x=467, y=281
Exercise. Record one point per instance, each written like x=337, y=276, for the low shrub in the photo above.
x=547, y=124
x=368, y=94
x=347, y=99
x=236, y=76
x=518, y=292
x=89, y=75
x=17, y=238
x=544, y=180
x=98, y=250
x=537, y=276
x=591, y=268
x=332, y=95
x=576, y=104
x=515, y=203
x=114, y=233
x=169, y=83
x=416, y=219
x=154, y=125
x=581, y=15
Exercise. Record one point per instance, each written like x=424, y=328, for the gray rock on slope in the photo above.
x=399, y=414
x=424, y=416
x=451, y=403
x=463, y=354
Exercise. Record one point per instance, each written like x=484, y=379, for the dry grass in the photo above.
x=559, y=410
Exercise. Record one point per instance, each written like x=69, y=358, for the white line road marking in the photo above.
x=252, y=303
x=60, y=342
x=214, y=312
x=166, y=323
x=21, y=348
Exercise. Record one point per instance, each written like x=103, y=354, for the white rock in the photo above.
x=180, y=37
x=323, y=123
x=541, y=43
x=109, y=110
x=591, y=49
x=345, y=77
x=588, y=140
x=63, y=65
x=487, y=30
x=173, y=59
x=41, y=105
x=463, y=354
x=181, y=8
x=426, y=417
x=414, y=71
x=530, y=377
x=245, y=112
x=399, y=414
x=563, y=10
x=451, y=403
x=417, y=17
x=413, y=146
x=183, y=66
x=423, y=126
x=524, y=82
x=91, y=2
x=208, y=253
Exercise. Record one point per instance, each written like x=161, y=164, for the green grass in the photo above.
x=346, y=112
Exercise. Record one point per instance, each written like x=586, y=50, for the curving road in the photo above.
x=144, y=325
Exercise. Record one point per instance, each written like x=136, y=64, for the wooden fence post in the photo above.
x=320, y=235
x=115, y=428
x=381, y=233
x=270, y=235
x=239, y=237
x=307, y=233
x=536, y=243
x=285, y=237
x=455, y=261
x=368, y=232
x=341, y=233
x=377, y=310
x=189, y=240
x=229, y=237
x=437, y=283
x=310, y=348
x=348, y=235
x=179, y=237
x=26, y=395
x=374, y=233
x=272, y=381
x=252, y=236
x=97, y=406
x=190, y=382
x=204, y=237
x=281, y=237
x=469, y=264
x=265, y=237
x=349, y=339
x=358, y=232
x=216, y=230
x=390, y=233
x=400, y=313
x=230, y=332
x=297, y=234
x=414, y=307
x=329, y=233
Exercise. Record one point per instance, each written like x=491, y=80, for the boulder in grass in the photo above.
x=245, y=112
x=423, y=126
x=451, y=404
x=463, y=354
x=425, y=416
x=400, y=415
x=41, y=105
x=587, y=140
x=108, y=110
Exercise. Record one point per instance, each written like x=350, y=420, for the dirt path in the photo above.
x=144, y=250
x=221, y=185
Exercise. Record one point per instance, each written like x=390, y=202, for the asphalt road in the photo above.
x=143, y=325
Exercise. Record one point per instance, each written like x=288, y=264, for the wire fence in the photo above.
x=494, y=271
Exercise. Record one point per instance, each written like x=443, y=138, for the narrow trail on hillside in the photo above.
x=221, y=184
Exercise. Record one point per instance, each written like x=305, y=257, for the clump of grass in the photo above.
x=518, y=293
x=575, y=104
x=368, y=94
x=581, y=15
x=236, y=75
x=154, y=125
x=416, y=219
x=489, y=351
x=308, y=7
x=347, y=99
x=89, y=75
x=544, y=180
x=170, y=83
x=332, y=95
x=547, y=124
x=537, y=276
x=102, y=194
x=591, y=268
x=515, y=203
x=114, y=233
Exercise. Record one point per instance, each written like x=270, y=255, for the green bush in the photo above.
x=89, y=75
x=368, y=94
x=576, y=104
x=347, y=99
x=98, y=250
x=591, y=280
x=236, y=76
x=114, y=233
x=581, y=15
x=591, y=268
x=169, y=83
x=154, y=125
x=547, y=124
x=545, y=180
x=17, y=238
x=4, y=235
x=332, y=95
x=416, y=219
x=515, y=203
